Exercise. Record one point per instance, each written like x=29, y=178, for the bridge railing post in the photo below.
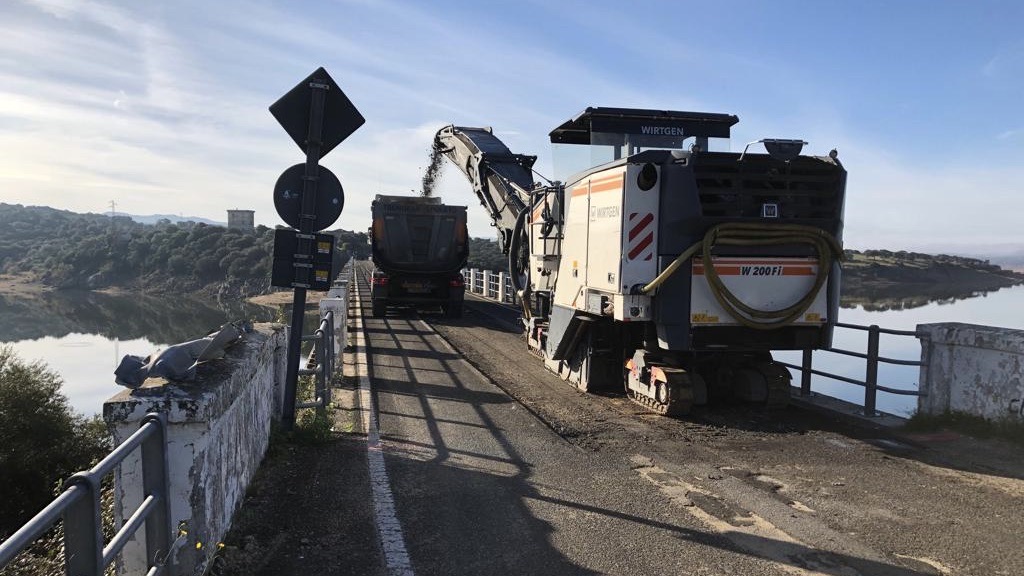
x=155, y=481
x=477, y=281
x=491, y=280
x=83, y=540
x=871, y=374
x=330, y=358
x=502, y=293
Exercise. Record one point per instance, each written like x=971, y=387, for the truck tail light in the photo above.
x=457, y=282
x=379, y=280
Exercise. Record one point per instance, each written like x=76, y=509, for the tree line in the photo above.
x=64, y=249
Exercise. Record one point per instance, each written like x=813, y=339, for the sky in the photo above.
x=161, y=107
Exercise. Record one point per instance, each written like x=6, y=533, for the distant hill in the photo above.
x=173, y=218
x=67, y=250
x=883, y=279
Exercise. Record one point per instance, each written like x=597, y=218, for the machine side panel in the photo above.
x=639, y=232
x=605, y=233
x=572, y=270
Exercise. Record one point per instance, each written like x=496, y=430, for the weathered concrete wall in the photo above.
x=218, y=429
x=972, y=369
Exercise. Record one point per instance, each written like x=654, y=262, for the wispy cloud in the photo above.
x=1010, y=134
x=163, y=106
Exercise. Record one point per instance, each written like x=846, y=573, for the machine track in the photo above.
x=777, y=377
x=677, y=400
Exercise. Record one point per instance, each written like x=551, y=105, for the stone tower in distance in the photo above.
x=241, y=220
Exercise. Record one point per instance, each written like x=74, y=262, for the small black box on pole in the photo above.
x=315, y=263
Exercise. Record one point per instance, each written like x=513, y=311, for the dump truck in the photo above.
x=671, y=269
x=419, y=247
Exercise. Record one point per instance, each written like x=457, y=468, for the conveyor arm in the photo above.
x=501, y=180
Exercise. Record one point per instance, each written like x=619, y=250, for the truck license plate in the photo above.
x=416, y=287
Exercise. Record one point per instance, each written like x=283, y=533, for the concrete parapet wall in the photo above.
x=218, y=429
x=972, y=369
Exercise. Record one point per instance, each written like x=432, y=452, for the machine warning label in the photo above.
x=703, y=318
x=761, y=270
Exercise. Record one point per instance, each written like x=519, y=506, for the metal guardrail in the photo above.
x=872, y=358
x=320, y=362
x=493, y=285
x=79, y=507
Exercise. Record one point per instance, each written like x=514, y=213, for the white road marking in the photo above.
x=396, y=557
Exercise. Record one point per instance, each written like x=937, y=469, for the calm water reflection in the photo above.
x=1003, y=308
x=83, y=336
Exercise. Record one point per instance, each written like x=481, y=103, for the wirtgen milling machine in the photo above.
x=670, y=269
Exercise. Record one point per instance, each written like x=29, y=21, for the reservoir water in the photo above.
x=1003, y=308
x=82, y=336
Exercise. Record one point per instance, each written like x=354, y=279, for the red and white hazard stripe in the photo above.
x=640, y=242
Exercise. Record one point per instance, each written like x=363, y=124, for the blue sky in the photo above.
x=162, y=106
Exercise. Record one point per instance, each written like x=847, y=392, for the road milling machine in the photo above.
x=670, y=269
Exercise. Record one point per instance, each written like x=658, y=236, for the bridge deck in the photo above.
x=498, y=467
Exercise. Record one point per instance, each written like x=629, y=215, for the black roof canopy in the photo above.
x=665, y=123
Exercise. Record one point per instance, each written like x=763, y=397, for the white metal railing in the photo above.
x=79, y=507
x=491, y=285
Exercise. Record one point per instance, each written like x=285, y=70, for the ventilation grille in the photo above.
x=804, y=189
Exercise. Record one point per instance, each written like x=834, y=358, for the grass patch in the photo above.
x=313, y=426
x=969, y=424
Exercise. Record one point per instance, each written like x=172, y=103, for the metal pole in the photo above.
x=155, y=482
x=321, y=363
x=805, y=373
x=306, y=221
x=83, y=541
x=871, y=377
x=330, y=358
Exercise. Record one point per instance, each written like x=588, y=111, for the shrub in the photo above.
x=44, y=441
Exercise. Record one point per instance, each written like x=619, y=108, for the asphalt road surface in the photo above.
x=476, y=460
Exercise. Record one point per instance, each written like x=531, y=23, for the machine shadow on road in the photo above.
x=944, y=450
x=466, y=493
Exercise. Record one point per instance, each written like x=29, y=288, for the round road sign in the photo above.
x=288, y=197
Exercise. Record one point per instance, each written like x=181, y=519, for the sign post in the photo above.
x=308, y=197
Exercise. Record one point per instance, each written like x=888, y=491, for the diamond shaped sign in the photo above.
x=340, y=119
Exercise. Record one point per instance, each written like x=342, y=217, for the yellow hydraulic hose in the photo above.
x=825, y=246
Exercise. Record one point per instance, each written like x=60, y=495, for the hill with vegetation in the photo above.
x=885, y=280
x=67, y=250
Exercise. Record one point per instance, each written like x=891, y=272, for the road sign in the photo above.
x=340, y=117
x=302, y=264
x=330, y=198
x=318, y=116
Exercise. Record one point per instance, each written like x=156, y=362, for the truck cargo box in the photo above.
x=419, y=247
